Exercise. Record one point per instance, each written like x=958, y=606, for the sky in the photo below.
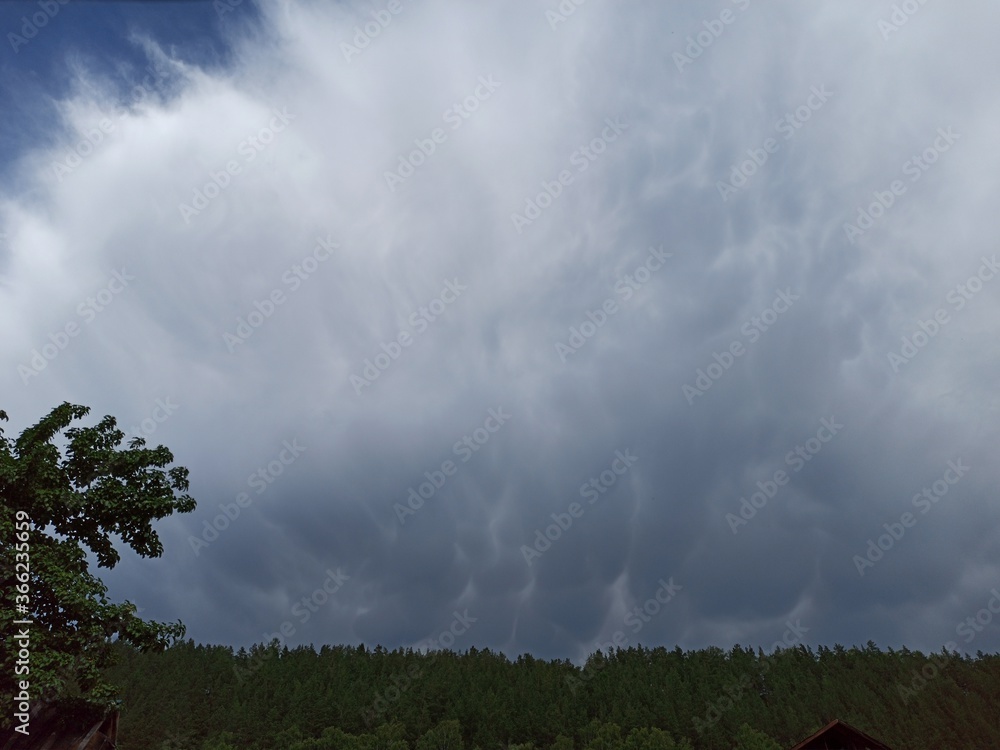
x=536, y=326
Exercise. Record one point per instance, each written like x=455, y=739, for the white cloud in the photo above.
x=344, y=124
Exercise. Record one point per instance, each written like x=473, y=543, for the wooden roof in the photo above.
x=839, y=735
x=53, y=728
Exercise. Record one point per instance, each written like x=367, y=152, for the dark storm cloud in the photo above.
x=626, y=231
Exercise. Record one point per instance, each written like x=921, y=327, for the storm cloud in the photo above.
x=524, y=311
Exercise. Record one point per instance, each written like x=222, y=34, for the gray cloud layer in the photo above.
x=252, y=329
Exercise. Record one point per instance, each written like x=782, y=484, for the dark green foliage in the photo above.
x=352, y=698
x=748, y=738
x=56, y=504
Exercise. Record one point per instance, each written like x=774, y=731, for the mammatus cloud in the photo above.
x=534, y=313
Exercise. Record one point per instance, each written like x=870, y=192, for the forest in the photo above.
x=358, y=698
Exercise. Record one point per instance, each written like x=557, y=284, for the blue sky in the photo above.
x=530, y=310
x=36, y=68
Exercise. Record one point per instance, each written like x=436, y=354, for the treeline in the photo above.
x=354, y=698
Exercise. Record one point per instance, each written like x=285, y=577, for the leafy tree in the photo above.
x=166, y=693
x=447, y=735
x=57, y=503
x=748, y=738
x=333, y=739
x=649, y=738
x=605, y=736
x=393, y=737
x=224, y=741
